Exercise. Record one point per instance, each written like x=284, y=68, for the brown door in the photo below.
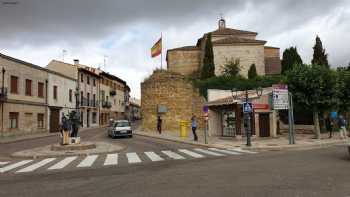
x=54, y=120
x=264, y=125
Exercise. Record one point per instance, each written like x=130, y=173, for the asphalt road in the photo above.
x=319, y=172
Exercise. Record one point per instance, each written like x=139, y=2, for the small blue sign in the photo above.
x=205, y=109
x=334, y=115
x=247, y=107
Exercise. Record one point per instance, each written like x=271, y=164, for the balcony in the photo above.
x=3, y=94
x=88, y=103
x=106, y=104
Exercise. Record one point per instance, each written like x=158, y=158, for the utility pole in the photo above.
x=248, y=121
x=2, y=102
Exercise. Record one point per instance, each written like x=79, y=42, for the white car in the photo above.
x=120, y=128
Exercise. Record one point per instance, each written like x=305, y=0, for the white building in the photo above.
x=61, y=98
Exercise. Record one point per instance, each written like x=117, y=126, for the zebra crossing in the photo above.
x=115, y=159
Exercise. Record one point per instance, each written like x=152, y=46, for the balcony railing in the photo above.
x=3, y=94
x=106, y=104
x=89, y=103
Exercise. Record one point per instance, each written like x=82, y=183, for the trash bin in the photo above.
x=183, y=128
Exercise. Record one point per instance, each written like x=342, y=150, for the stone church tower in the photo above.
x=228, y=44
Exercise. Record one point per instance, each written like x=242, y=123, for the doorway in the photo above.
x=54, y=120
x=88, y=118
x=264, y=125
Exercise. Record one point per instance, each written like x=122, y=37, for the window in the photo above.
x=40, y=121
x=28, y=87
x=94, y=117
x=40, y=90
x=94, y=82
x=88, y=80
x=55, y=92
x=82, y=77
x=14, y=85
x=82, y=118
x=70, y=95
x=81, y=98
x=88, y=99
x=14, y=120
x=94, y=100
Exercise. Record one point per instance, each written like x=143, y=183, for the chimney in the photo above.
x=76, y=62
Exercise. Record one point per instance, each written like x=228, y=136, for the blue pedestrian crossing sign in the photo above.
x=247, y=107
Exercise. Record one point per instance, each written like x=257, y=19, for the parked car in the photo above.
x=120, y=128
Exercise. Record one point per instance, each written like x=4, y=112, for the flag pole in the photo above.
x=161, y=52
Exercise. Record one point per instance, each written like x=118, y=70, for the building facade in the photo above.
x=23, y=97
x=113, y=96
x=87, y=89
x=61, y=98
x=228, y=45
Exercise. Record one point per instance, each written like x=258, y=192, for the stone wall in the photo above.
x=247, y=55
x=184, y=62
x=175, y=93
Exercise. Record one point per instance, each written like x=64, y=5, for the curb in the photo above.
x=275, y=148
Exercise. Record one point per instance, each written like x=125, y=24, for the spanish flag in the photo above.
x=157, y=48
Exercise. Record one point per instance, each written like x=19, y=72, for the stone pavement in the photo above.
x=303, y=141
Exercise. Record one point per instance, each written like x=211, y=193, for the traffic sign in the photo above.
x=247, y=107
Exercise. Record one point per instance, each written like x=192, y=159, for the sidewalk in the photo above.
x=11, y=139
x=279, y=143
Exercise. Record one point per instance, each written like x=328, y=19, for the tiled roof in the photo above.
x=22, y=62
x=229, y=31
x=234, y=40
x=270, y=47
x=185, y=48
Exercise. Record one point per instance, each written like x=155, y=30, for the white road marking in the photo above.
x=240, y=150
x=63, y=163
x=153, y=156
x=133, y=158
x=88, y=161
x=224, y=151
x=2, y=163
x=208, y=152
x=15, y=165
x=111, y=159
x=36, y=165
x=190, y=153
x=172, y=155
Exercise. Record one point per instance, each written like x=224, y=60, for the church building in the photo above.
x=228, y=45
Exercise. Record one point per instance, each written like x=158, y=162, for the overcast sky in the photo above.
x=124, y=31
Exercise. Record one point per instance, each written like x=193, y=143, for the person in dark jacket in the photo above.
x=329, y=125
x=159, y=125
x=342, y=126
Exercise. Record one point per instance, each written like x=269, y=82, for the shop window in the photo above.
x=40, y=121
x=14, y=120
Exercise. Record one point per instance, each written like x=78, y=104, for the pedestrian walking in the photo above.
x=342, y=126
x=329, y=125
x=194, y=127
x=159, y=125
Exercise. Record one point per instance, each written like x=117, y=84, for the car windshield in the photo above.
x=121, y=124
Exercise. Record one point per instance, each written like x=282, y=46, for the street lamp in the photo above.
x=247, y=116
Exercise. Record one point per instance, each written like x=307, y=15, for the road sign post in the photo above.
x=206, y=118
x=283, y=100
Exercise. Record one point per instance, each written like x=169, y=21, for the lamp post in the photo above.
x=247, y=116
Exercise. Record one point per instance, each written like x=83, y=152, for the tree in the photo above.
x=208, y=69
x=252, y=74
x=290, y=58
x=231, y=68
x=314, y=88
x=343, y=90
x=319, y=57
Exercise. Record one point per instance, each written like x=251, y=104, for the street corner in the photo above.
x=56, y=150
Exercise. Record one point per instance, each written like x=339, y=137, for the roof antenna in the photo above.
x=104, y=61
x=64, y=52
